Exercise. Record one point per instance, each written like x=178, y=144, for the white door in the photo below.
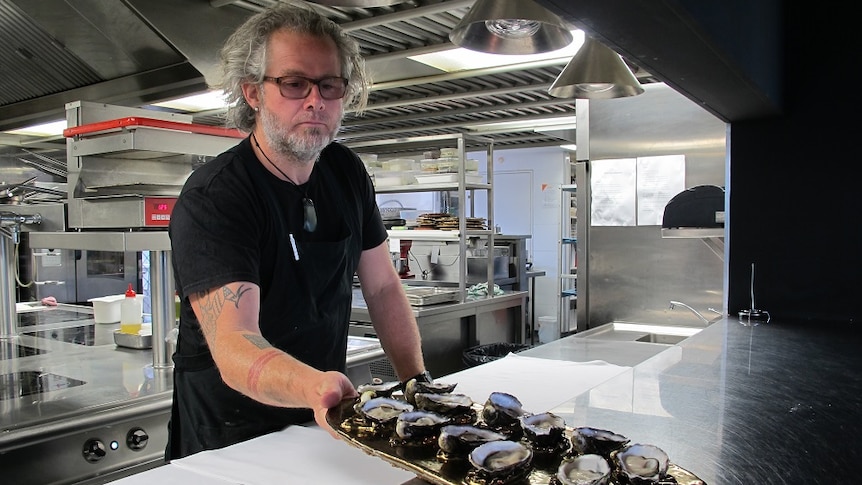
x=513, y=203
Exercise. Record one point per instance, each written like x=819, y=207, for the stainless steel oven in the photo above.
x=75, y=276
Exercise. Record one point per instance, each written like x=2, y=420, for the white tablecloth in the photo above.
x=540, y=384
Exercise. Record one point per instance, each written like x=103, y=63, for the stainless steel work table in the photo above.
x=774, y=404
x=447, y=329
x=66, y=388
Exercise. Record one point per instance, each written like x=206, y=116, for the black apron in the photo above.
x=208, y=414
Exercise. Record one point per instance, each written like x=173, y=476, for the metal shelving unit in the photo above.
x=463, y=142
x=567, y=282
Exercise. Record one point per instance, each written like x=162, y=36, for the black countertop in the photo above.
x=776, y=403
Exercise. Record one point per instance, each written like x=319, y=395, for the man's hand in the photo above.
x=331, y=390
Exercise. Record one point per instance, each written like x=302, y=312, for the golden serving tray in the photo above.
x=424, y=463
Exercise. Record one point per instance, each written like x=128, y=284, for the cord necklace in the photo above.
x=308, y=210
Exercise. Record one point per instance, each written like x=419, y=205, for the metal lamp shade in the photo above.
x=356, y=3
x=510, y=27
x=595, y=72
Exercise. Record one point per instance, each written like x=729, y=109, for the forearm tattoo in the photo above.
x=211, y=305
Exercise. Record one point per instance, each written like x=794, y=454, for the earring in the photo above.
x=257, y=109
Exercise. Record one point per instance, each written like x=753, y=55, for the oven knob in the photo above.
x=94, y=450
x=137, y=439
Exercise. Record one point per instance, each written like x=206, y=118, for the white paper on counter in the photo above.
x=540, y=384
x=296, y=455
x=171, y=475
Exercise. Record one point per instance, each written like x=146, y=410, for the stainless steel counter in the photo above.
x=99, y=411
x=772, y=404
x=447, y=329
x=67, y=388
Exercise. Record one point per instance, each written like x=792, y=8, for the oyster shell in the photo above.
x=502, y=461
x=460, y=440
x=414, y=387
x=502, y=413
x=641, y=464
x=417, y=425
x=586, y=440
x=543, y=429
x=459, y=407
x=382, y=410
x=378, y=389
x=584, y=470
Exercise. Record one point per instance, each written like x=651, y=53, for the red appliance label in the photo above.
x=157, y=211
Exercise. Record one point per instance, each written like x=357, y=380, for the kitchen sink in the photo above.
x=640, y=332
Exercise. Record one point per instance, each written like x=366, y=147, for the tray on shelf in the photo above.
x=425, y=295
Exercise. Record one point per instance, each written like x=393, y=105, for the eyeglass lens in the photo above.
x=297, y=87
x=309, y=215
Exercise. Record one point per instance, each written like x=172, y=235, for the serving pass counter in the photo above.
x=448, y=329
x=772, y=404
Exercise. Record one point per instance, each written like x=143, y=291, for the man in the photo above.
x=266, y=239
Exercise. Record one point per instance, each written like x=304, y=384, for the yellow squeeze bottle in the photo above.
x=131, y=313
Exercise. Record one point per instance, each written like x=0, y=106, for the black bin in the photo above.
x=481, y=354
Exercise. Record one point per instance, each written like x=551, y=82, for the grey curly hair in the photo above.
x=243, y=58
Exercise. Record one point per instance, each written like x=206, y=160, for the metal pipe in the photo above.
x=164, y=311
x=8, y=314
x=674, y=303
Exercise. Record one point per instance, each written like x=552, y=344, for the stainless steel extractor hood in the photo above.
x=124, y=52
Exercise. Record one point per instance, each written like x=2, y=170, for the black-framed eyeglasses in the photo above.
x=298, y=87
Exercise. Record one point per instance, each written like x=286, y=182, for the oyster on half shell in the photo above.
x=459, y=407
x=641, y=464
x=503, y=461
x=584, y=470
x=414, y=387
x=586, y=440
x=501, y=412
x=417, y=425
x=460, y=440
x=543, y=429
x=382, y=410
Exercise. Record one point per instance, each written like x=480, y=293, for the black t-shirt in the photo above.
x=234, y=220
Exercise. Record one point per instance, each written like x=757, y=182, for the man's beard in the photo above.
x=303, y=145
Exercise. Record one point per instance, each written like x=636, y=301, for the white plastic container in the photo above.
x=106, y=309
x=549, y=329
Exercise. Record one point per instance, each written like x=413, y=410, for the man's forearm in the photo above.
x=393, y=320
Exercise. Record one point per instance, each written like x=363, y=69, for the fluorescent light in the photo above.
x=560, y=122
x=52, y=128
x=197, y=102
x=573, y=148
x=460, y=59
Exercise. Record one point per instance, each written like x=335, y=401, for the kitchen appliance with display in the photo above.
x=69, y=391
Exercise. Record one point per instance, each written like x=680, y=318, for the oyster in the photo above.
x=459, y=407
x=586, y=440
x=502, y=412
x=584, y=470
x=414, y=387
x=382, y=410
x=641, y=464
x=417, y=428
x=457, y=441
x=378, y=389
x=544, y=429
x=499, y=462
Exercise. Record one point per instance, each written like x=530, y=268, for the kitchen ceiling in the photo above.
x=137, y=52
